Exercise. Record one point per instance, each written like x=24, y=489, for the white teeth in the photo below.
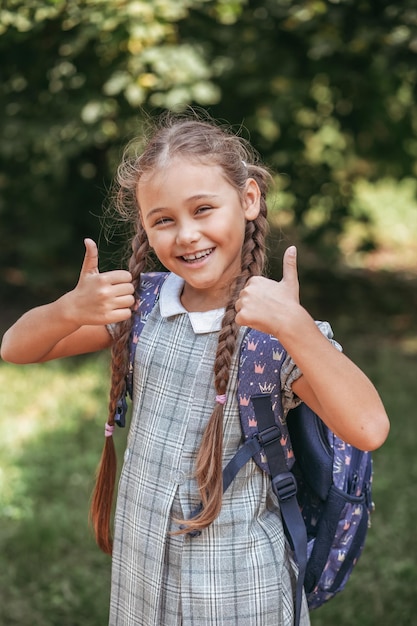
x=197, y=255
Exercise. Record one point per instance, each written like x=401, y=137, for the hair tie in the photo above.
x=108, y=430
x=221, y=399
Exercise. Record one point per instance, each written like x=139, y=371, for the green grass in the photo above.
x=52, y=418
x=52, y=573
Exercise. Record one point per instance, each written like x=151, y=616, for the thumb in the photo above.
x=90, y=263
x=289, y=267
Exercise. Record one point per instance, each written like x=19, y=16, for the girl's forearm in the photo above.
x=36, y=333
x=332, y=385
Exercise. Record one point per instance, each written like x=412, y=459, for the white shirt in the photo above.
x=170, y=305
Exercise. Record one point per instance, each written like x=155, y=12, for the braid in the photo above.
x=102, y=498
x=253, y=251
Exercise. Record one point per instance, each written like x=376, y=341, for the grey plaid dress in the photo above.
x=238, y=571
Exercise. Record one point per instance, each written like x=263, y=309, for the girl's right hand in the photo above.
x=76, y=322
x=100, y=298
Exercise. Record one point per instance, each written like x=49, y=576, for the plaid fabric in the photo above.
x=238, y=570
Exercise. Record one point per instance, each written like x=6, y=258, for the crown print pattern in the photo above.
x=261, y=359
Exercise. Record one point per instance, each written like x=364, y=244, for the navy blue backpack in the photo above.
x=322, y=483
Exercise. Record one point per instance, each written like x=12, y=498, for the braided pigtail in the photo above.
x=254, y=246
x=210, y=455
x=102, y=498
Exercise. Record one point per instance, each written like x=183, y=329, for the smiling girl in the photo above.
x=196, y=196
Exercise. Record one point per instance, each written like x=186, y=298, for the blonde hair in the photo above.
x=199, y=140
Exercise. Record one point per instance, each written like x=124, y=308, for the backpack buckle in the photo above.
x=269, y=435
x=121, y=410
x=284, y=486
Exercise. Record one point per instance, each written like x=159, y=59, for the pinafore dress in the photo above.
x=238, y=571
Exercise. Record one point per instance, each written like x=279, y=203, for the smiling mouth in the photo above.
x=197, y=256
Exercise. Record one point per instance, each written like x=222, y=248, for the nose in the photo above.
x=187, y=233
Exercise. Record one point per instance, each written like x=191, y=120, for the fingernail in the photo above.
x=292, y=251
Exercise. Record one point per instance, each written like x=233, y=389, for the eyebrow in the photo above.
x=198, y=196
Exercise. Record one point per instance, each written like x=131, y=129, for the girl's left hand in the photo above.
x=338, y=391
x=267, y=305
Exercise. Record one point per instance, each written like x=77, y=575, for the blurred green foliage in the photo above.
x=74, y=76
x=382, y=224
x=325, y=91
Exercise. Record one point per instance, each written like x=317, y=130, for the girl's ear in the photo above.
x=251, y=199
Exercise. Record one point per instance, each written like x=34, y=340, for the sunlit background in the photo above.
x=326, y=91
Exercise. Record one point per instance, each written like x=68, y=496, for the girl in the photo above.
x=196, y=197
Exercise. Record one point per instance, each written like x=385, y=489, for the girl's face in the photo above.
x=195, y=222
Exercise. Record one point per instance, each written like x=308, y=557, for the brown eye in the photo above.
x=163, y=221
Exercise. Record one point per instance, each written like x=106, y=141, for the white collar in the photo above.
x=170, y=305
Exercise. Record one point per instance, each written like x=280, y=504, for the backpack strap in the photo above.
x=284, y=486
x=146, y=296
x=260, y=362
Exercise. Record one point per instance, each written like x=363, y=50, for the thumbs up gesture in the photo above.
x=268, y=305
x=101, y=298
